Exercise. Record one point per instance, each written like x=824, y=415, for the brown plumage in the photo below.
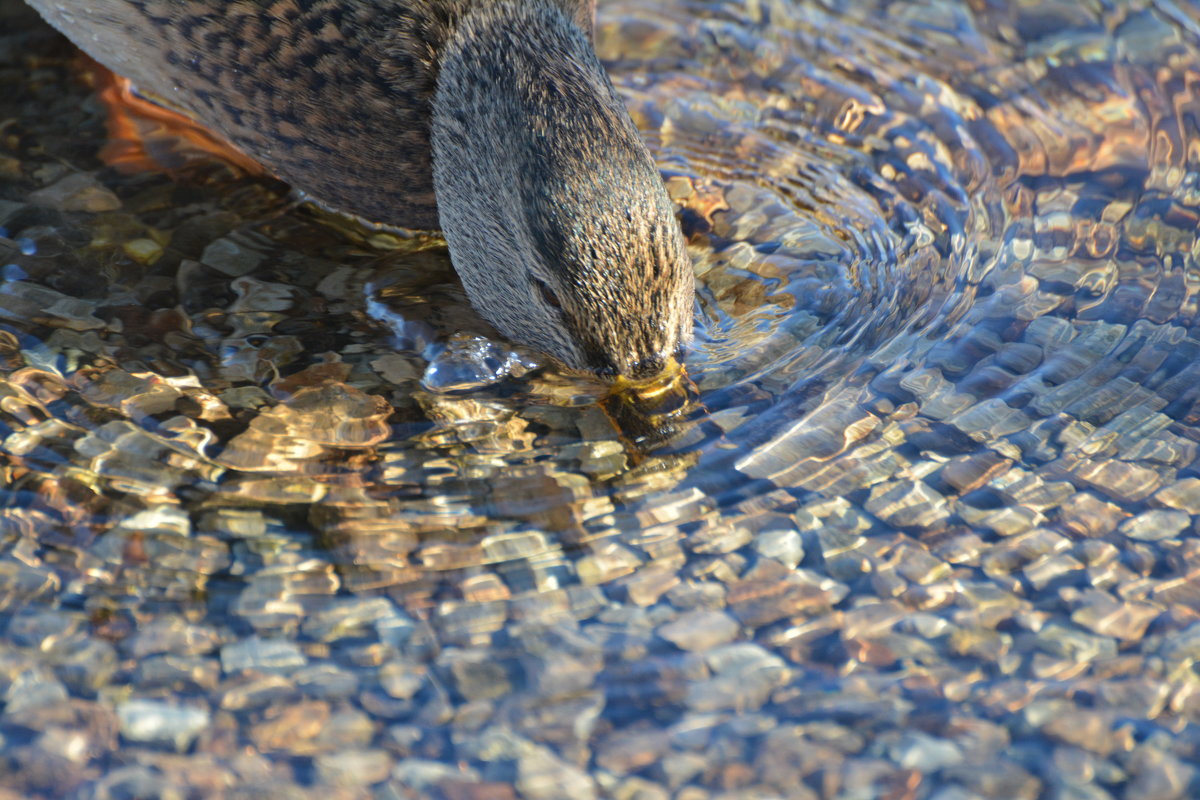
x=491, y=119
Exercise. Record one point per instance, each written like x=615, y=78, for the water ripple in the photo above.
x=938, y=496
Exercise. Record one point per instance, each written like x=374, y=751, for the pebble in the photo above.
x=782, y=544
x=178, y=672
x=326, y=682
x=476, y=675
x=31, y=691
x=254, y=690
x=1065, y=641
x=541, y=775
x=1103, y=614
x=290, y=728
x=347, y=728
x=771, y=592
x=1155, y=525
x=744, y=675
x=172, y=634
x=476, y=790
x=349, y=768
x=639, y=789
x=1183, y=495
x=679, y=767
x=470, y=623
x=347, y=618
x=697, y=594
x=87, y=667
x=127, y=783
x=255, y=653
x=925, y=754
x=235, y=255
x=645, y=586
x=1159, y=776
x=632, y=751
x=161, y=723
x=700, y=630
x=77, y=192
x=907, y=503
x=422, y=775
x=606, y=563
x=44, y=630
x=1089, y=730
x=400, y=680
x=143, y=251
x=843, y=552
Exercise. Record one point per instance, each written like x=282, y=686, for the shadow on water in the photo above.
x=278, y=512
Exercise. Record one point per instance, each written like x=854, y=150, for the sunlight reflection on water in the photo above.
x=274, y=497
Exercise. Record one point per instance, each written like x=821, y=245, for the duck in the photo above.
x=491, y=120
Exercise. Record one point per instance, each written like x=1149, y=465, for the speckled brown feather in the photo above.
x=557, y=220
x=322, y=92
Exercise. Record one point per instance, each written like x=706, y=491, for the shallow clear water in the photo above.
x=280, y=514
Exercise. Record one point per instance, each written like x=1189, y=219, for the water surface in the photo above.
x=281, y=516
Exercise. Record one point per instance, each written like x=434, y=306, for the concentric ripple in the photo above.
x=276, y=499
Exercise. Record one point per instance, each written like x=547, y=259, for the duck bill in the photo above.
x=654, y=410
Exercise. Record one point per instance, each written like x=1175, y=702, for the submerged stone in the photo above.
x=77, y=192
x=161, y=723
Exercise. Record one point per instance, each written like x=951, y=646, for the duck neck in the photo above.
x=536, y=160
x=522, y=105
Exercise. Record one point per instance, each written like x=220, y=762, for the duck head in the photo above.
x=557, y=219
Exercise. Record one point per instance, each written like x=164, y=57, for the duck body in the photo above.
x=491, y=119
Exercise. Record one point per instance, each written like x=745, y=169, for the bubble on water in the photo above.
x=27, y=246
x=470, y=362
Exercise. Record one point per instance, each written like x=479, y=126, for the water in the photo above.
x=281, y=512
